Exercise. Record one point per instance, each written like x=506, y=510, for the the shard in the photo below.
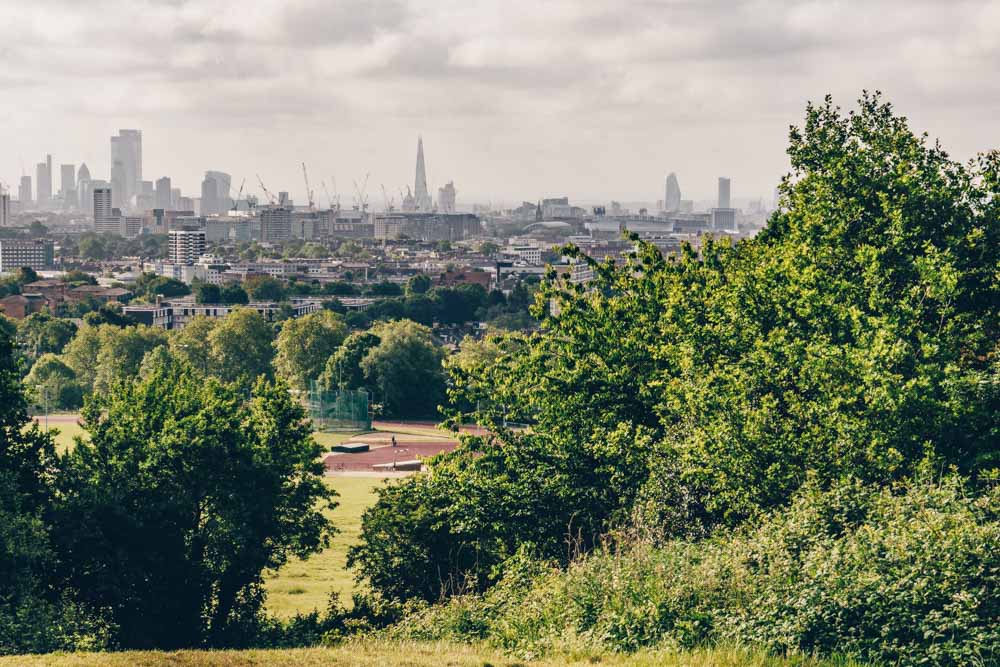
x=422, y=198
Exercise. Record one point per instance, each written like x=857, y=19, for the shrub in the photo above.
x=906, y=576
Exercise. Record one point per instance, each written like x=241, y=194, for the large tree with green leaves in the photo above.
x=242, y=347
x=404, y=369
x=35, y=615
x=305, y=344
x=182, y=496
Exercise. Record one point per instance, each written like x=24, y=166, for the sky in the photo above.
x=515, y=99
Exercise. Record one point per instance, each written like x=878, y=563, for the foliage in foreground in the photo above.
x=910, y=576
x=855, y=336
x=184, y=493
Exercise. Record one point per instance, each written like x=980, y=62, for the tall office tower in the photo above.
x=724, y=200
x=163, y=193
x=446, y=198
x=118, y=189
x=24, y=193
x=84, y=186
x=421, y=197
x=672, y=198
x=67, y=185
x=105, y=221
x=175, y=199
x=43, y=180
x=126, y=154
x=209, y=197
x=223, y=183
x=4, y=208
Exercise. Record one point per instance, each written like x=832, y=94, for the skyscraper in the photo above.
x=24, y=192
x=84, y=186
x=104, y=220
x=67, y=185
x=4, y=207
x=43, y=179
x=422, y=198
x=209, y=196
x=223, y=183
x=126, y=154
x=163, y=193
x=672, y=196
x=724, y=200
x=446, y=198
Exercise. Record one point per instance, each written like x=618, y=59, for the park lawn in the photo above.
x=67, y=428
x=372, y=653
x=304, y=585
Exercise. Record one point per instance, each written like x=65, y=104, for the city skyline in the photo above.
x=582, y=100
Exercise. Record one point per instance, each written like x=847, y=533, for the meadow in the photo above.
x=304, y=585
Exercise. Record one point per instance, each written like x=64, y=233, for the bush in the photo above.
x=910, y=576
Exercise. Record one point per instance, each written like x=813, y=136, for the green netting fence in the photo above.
x=338, y=409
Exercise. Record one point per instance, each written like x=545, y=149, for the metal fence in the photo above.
x=338, y=409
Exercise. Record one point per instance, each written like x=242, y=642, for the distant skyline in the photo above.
x=595, y=100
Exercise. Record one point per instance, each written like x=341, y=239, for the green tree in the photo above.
x=418, y=284
x=35, y=615
x=242, y=347
x=264, y=288
x=305, y=344
x=206, y=292
x=40, y=333
x=180, y=499
x=343, y=368
x=233, y=293
x=192, y=344
x=405, y=369
x=122, y=351
x=52, y=382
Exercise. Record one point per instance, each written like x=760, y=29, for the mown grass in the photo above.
x=304, y=585
x=428, y=654
x=65, y=430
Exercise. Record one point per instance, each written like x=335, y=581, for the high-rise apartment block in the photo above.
x=105, y=220
x=185, y=246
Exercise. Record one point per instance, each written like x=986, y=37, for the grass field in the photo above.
x=67, y=429
x=375, y=653
x=302, y=586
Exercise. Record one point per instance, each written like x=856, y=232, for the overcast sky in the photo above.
x=515, y=99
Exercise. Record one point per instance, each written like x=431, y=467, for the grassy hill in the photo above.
x=372, y=653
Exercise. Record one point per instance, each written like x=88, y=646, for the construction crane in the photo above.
x=236, y=202
x=362, y=197
x=329, y=199
x=267, y=193
x=309, y=191
x=389, y=202
x=336, y=198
